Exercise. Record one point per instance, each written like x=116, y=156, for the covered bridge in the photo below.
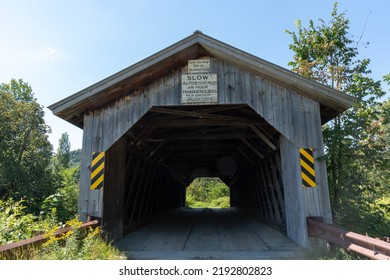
x=202, y=108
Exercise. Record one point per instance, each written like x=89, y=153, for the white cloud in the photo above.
x=51, y=53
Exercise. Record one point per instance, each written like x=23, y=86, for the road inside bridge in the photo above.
x=208, y=234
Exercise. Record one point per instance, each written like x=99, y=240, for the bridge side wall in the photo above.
x=260, y=192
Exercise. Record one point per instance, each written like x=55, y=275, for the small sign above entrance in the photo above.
x=199, y=66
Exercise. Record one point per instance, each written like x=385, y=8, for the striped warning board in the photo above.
x=307, y=167
x=97, y=171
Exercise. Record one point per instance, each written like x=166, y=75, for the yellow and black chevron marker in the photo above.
x=307, y=167
x=97, y=172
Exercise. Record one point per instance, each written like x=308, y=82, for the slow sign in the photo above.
x=199, y=88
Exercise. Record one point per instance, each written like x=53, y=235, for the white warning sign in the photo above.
x=199, y=88
x=199, y=66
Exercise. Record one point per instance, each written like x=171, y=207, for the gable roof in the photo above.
x=72, y=108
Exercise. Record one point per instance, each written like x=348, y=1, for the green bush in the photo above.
x=77, y=244
x=65, y=199
x=208, y=193
x=15, y=224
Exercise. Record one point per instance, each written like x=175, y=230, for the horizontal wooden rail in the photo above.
x=39, y=239
x=367, y=246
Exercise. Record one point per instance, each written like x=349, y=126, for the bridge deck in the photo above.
x=208, y=234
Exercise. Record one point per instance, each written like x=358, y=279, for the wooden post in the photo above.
x=115, y=166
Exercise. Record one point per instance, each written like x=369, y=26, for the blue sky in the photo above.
x=61, y=47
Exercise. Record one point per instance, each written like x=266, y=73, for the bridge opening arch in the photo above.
x=207, y=192
x=171, y=146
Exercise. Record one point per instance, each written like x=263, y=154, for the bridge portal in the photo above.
x=202, y=108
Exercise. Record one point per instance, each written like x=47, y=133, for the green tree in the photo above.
x=19, y=89
x=327, y=53
x=63, y=151
x=208, y=192
x=25, y=151
x=64, y=200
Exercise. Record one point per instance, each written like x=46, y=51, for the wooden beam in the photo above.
x=220, y=108
x=253, y=148
x=195, y=114
x=262, y=136
x=159, y=146
x=186, y=136
x=241, y=151
x=202, y=146
x=144, y=134
x=159, y=122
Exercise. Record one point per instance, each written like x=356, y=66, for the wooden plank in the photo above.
x=262, y=136
x=85, y=173
x=264, y=188
x=229, y=83
x=245, y=155
x=241, y=75
x=250, y=88
x=115, y=175
x=146, y=190
x=320, y=167
x=254, y=197
x=155, y=179
x=153, y=194
x=210, y=136
x=174, y=97
x=132, y=190
x=139, y=189
x=162, y=123
x=160, y=192
x=218, y=67
x=95, y=196
x=258, y=96
x=261, y=196
x=294, y=203
x=275, y=171
x=253, y=148
x=271, y=191
x=196, y=114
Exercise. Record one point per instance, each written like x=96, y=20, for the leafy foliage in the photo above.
x=20, y=90
x=356, y=143
x=86, y=244
x=74, y=158
x=208, y=193
x=78, y=244
x=67, y=179
x=28, y=169
x=63, y=152
x=15, y=224
x=25, y=151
